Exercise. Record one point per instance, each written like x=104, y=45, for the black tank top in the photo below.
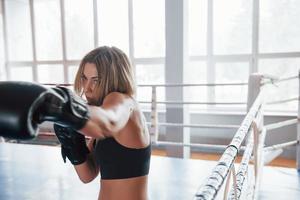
x=117, y=161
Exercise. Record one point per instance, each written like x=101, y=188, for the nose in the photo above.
x=87, y=87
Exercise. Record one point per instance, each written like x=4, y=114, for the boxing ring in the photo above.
x=246, y=177
x=37, y=172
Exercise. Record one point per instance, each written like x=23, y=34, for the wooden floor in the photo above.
x=278, y=162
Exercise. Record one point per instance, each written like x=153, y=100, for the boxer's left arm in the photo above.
x=74, y=147
x=88, y=170
x=73, y=144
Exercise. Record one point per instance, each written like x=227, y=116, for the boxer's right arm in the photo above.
x=24, y=105
x=63, y=107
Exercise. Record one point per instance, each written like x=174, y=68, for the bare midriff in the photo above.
x=125, y=189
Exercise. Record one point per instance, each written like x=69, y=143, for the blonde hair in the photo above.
x=114, y=71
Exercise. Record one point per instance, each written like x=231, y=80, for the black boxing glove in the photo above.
x=18, y=102
x=73, y=145
x=63, y=107
x=24, y=105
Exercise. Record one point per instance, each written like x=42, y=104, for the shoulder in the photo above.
x=118, y=98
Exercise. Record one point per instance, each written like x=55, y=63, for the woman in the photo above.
x=120, y=145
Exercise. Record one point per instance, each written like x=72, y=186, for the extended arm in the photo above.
x=25, y=105
x=110, y=118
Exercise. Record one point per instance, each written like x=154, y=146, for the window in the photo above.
x=149, y=46
x=72, y=70
x=65, y=30
x=21, y=73
x=79, y=28
x=228, y=40
x=231, y=73
x=149, y=27
x=195, y=73
x=279, y=26
x=50, y=74
x=232, y=26
x=237, y=37
x=2, y=58
x=48, y=30
x=19, y=35
x=150, y=74
x=284, y=90
x=113, y=29
x=197, y=18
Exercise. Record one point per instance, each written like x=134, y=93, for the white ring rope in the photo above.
x=283, y=101
x=287, y=79
x=194, y=103
x=281, y=146
x=206, y=146
x=281, y=124
x=272, y=80
x=192, y=85
x=197, y=125
x=231, y=173
x=279, y=80
x=243, y=169
x=208, y=190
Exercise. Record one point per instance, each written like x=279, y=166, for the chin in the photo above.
x=91, y=101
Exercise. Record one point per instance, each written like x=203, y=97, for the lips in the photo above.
x=90, y=100
x=87, y=96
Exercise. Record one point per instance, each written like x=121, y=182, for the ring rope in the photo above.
x=283, y=101
x=280, y=124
